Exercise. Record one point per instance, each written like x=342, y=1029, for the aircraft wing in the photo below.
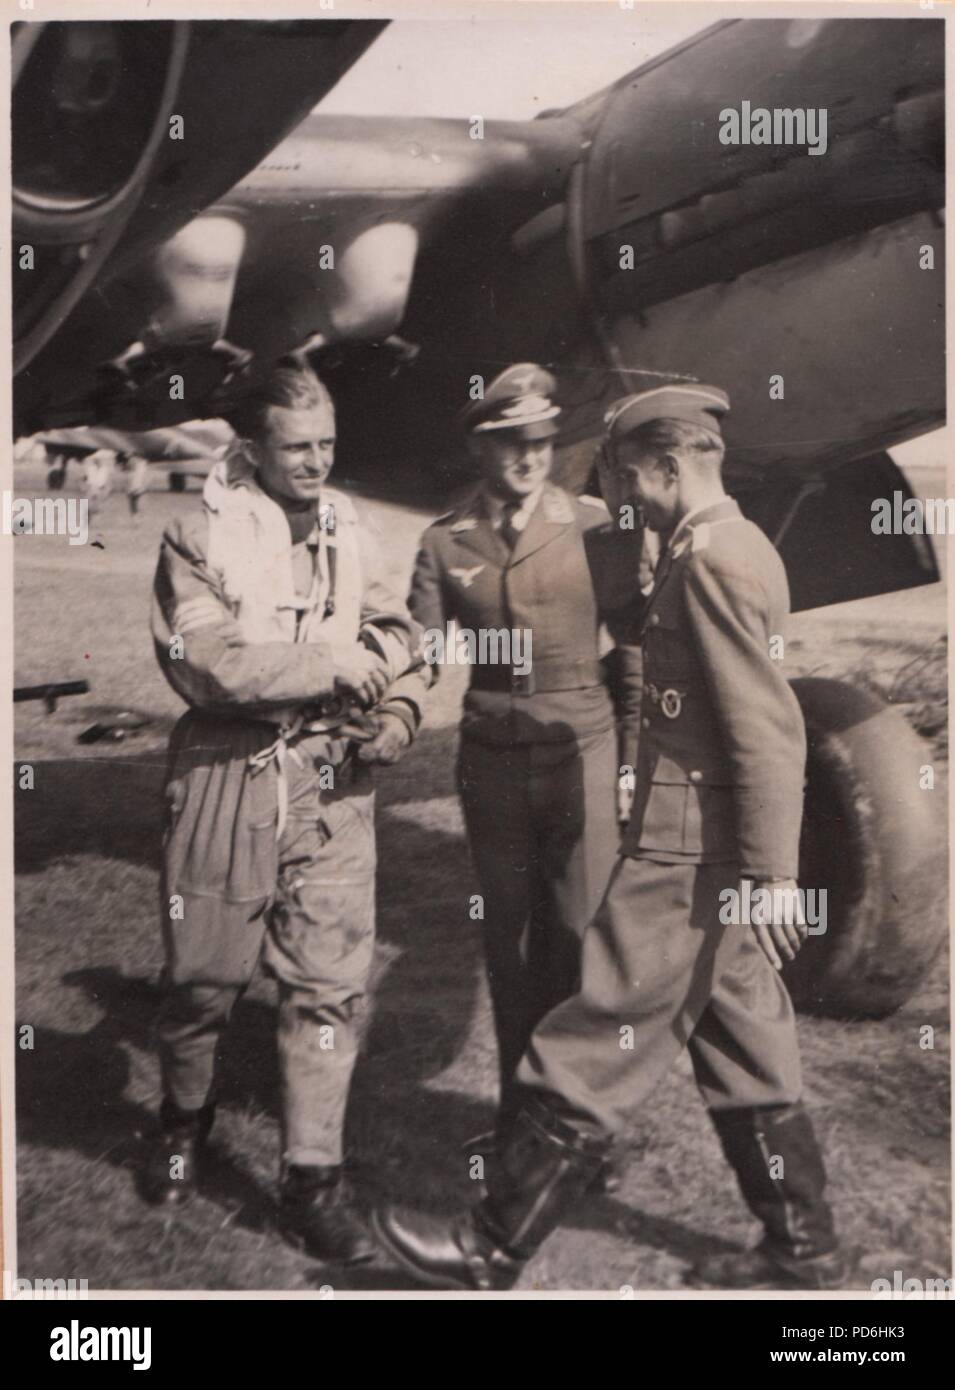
x=318, y=245
x=621, y=241
x=357, y=230
x=199, y=439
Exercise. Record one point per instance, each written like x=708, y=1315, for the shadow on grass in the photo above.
x=111, y=805
x=407, y=1137
x=70, y=1088
x=73, y=1086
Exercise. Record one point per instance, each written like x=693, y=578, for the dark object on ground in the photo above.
x=116, y=730
x=50, y=693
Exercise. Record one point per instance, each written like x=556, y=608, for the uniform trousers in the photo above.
x=542, y=826
x=660, y=972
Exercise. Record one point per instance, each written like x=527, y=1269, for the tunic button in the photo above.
x=696, y=776
x=654, y=619
x=645, y=723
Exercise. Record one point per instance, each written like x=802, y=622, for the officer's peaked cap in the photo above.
x=520, y=399
x=690, y=402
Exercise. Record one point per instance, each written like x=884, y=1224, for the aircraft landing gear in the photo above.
x=872, y=837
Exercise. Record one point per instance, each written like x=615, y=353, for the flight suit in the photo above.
x=718, y=795
x=539, y=756
x=269, y=844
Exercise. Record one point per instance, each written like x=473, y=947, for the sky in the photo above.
x=505, y=69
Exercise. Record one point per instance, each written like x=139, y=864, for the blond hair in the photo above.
x=290, y=385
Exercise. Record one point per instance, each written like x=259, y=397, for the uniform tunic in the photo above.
x=538, y=763
x=718, y=795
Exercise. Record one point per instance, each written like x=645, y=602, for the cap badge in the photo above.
x=526, y=405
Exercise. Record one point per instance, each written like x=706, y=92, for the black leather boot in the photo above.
x=607, y=1180
x=318, y=1213
x=799, y=1249
x=170, y=1176
x=539, y=1174
x=609, y=1177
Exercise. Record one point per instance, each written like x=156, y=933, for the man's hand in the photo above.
x=624, y=804
x=779, y=925
x=361, y=673
x=391, y=741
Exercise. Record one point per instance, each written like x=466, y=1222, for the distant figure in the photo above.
x=137, y=471
x=98, y=477
x=56, y=471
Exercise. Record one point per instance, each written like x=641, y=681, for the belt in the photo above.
x=543, y=676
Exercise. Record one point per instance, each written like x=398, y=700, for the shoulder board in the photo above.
x=451, y=521
x=702, y=534
x=597, y=502
x=556, y=505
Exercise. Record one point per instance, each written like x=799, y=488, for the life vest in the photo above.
x=250, y=551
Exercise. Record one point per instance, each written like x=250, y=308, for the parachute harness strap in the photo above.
x=277, y=752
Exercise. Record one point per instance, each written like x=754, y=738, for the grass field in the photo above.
x=88, y=956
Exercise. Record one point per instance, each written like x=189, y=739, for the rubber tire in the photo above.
x=875, y=840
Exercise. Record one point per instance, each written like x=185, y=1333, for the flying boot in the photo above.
x=170, y=1175
x=318, y=1213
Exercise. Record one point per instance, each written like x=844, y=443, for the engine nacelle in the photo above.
x=195, y=273
x=91, y=102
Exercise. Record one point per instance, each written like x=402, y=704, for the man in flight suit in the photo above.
x=300, y=668
x=539, y=756
x=718, y=799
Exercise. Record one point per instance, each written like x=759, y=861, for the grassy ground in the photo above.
x=88, y=957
